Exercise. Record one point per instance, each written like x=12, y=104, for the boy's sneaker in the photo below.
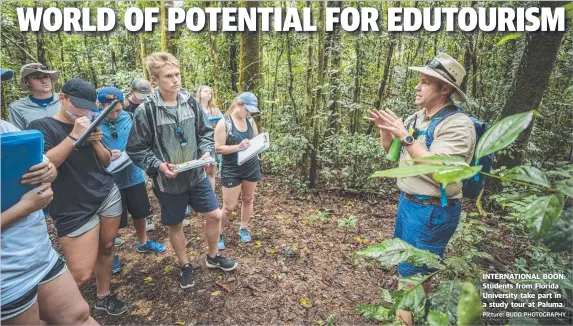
x=221, y=243
x=151, y=246
x=110, y=304
x=149, y=224
x=116, y=265
x=221, y=263
x=245, y=235
x=187, y=276
x=118, y=241
x=188, y=210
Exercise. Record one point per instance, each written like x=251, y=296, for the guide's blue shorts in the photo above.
x=426, y=227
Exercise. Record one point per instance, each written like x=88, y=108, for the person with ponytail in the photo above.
x=204, y=96
x=232, y=135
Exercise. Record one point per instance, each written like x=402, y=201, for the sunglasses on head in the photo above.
x=38, y=66
x=437, y=65
x=179, y=133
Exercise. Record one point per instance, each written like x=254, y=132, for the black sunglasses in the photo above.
x=113, y=131
x=179, y=133
x=437, y=65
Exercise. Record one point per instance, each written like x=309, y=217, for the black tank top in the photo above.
x=230, y=168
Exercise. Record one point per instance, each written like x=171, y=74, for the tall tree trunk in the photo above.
x=308, y=92
x=111, y=47
x=530, y=82
x=315, y=123
x=385, y=76
x=40, y=54
x=91, y=66
x=357, y=86
x=143, y=54
x=165, y=42
x=250, y=61
x=291, y=81
x=335, y=44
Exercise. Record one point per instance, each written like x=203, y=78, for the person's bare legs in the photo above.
x=213, y=227
x=247, y=199
x=81, y=254
x=230, y=199
x=61, y=302
x=104, y=262
x=177, y=239
x=140, y=229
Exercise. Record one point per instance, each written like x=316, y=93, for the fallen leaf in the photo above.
x=265, y=230
x=271, y=251
x=234, y=213
x=180, y=322
x=148, y=279
x=278, y=217
x=258, y=244
x=216, y=293
x=167, y=268
x=225, y=286
x=198, y=238
x=305, y=303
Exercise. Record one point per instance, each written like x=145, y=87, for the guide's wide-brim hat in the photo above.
x=33, y=68
x=446, y=69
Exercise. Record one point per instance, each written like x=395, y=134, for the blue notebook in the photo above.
x=213, y=120
x=19, y=151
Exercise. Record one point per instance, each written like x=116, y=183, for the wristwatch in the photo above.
x=407, y=140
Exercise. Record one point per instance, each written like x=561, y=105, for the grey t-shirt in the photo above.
x=24, y=111
x=82, y=183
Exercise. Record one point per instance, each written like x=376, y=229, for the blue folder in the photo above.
x=20, y=151
x=213, y=120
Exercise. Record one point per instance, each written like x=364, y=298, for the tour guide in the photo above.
x=423, y=220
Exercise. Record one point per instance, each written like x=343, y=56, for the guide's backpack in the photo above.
x=472, y=187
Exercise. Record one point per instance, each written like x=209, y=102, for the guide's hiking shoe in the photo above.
x=221, y=243
x=187, y=276
x=149, y=224
x=151, y=246
x=116, y=265
x=245, y=235
x=221, y=263
x=110, y=304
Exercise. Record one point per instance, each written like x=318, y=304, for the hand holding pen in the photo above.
x=167, y=169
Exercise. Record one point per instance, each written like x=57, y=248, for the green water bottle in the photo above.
x=394, y=152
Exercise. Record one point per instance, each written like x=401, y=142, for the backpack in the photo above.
x=471, y=188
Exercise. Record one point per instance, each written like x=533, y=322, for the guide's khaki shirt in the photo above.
x=454, y=136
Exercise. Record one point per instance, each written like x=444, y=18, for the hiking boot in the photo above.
x=116, y=265
x=151, y=246
x=118, y=241
x=245, y=235
x=149, y=224
x=221, y=263
x=221, y=243
x=187, y=276
x=110, y=304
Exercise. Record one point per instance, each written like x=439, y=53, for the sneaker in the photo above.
x=188, y=210
x=221, y=243
x=118, y=241
x=149, y=224
x=185, y=222
x=112, y=305
x=150, y=246
x=221, y=263
x=116, y=265
x=187, y=276
x=245, y=235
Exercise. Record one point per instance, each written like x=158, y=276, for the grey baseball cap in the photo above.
x=250, y=101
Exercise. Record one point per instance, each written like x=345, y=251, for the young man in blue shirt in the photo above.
x=130, y=180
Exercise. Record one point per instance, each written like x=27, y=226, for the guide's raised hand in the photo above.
x=375, y=118
x=393, y=124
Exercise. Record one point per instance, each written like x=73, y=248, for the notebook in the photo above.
x=119, y=164
x=257, y=145
x=20, y=151
x=192, y=164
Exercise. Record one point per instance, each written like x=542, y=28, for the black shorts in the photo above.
x=22, y=304
x=201, y=198
x=231, y=182
x=134, y=200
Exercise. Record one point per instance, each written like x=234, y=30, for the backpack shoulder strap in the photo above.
x=443, y=114
x=150, y=109
x=228, y=125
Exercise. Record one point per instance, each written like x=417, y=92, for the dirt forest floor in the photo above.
x=293, y=272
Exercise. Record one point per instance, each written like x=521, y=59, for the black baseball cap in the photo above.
x=81, y=92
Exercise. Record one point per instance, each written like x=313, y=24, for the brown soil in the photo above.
x=294, y=271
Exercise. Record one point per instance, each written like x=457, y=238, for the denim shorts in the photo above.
x=201, y=198
x=426, y=227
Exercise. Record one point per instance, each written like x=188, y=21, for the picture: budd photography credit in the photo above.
x=286, y=162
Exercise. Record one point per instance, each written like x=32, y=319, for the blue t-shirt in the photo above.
x=131, y=175
x=27, y=254
x=43, y=103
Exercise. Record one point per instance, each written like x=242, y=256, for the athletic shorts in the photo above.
x=22, y=304
x=134, y=201
x=111, y=207
x=235, y=181
x=201, y=198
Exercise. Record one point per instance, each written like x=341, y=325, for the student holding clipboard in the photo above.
x=87, y=204
x=36, y=284
x=232, y=135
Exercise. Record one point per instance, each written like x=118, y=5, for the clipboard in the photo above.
x=84, y=137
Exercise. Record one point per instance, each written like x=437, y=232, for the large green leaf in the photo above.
x=509, y=37
x=542, y=212
x=503, y=133
x=411, y=299
x=445, y=298
x=374, y=311
x=565, y=186
x=528, y=174
x=408, y=171
x=437, y=318
x=391, y=252
x=455, y=173
x=453, y=160
x=424, y=257
x=414, y=280
x=469, y=307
